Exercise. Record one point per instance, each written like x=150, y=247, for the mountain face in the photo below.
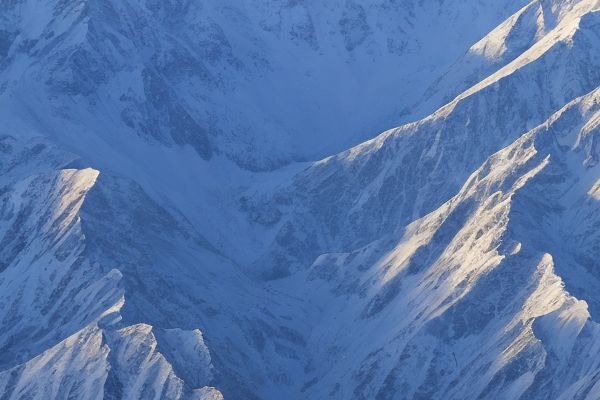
x=190, y=207
x=261, y=82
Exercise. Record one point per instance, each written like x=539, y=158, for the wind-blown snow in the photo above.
x=167, y=229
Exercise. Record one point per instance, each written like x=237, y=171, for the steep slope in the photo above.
x=466, y=301
x=98, y=277
x=352, y=198
x=507, y=42
x=142, y=255
x=482, y=265
x=60, y=334
x=216, y=76
x=123, y=84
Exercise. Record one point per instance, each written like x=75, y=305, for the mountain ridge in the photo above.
x=452, y=257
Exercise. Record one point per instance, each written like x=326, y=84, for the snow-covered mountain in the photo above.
x=187, y=210
x=263, y=82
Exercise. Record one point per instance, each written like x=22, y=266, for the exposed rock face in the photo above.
x=160, y=239
x=262, y=82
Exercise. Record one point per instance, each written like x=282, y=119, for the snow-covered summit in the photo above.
x=187, y=210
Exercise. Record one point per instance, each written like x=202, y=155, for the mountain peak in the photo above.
x=196, y=201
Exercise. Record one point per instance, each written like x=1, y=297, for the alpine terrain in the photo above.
x=197, y=201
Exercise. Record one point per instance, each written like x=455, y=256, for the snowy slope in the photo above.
x=263, y=82
x=157, y=239
x=356, y=196
x=466, y=301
